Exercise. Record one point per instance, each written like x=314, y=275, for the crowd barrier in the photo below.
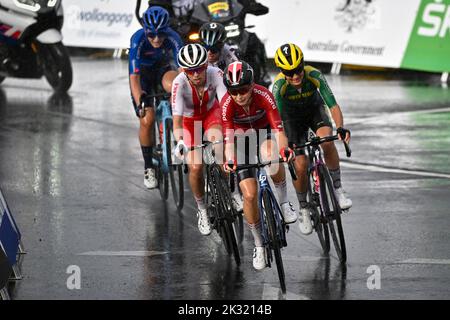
x=11, y=248
x=411, y=34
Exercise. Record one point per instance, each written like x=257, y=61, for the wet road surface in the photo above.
x=71, y=170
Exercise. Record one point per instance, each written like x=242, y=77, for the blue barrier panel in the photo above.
x=9, y=239
x=5, y=210
x=5, y=268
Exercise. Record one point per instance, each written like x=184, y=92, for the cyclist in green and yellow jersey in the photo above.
x=303, y=96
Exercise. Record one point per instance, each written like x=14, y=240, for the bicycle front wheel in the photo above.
x=227, y=215
x=274, y=238
x=163, y=178
x=175, y=171
x=317, y=216
x=332, y=212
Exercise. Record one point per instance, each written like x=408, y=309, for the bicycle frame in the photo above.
x=264, y=185
x=315, y=160
x=163, y=115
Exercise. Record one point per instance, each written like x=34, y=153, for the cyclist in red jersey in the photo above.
x=247, y=108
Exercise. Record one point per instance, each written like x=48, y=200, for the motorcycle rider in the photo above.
x=212, y=37
x=150, y=67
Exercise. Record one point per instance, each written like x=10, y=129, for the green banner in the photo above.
x=429, y=44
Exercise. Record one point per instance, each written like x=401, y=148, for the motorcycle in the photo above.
x=30, y=42
x=246, y=45
x=187, y=16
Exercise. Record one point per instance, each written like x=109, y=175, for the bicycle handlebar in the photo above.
x=164, y=95
x=205, y=144
x=316, y=141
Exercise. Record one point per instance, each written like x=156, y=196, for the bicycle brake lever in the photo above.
x=348, y=151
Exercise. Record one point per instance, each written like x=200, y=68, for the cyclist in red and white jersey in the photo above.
x=250, y=106
x=195, y=110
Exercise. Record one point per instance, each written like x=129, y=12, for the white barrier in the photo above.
x=370, y=33
x=99, y=23
x=411, y=34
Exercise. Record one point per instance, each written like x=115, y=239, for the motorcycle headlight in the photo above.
x=37, y=5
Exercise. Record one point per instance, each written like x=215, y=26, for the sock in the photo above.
x=301, y=196
x=336, y=177
x=282, y=191
x=256, y=232
x=200, y=203
x=147, y=152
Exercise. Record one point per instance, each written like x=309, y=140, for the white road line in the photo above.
x=426, y=261
x=123, y=253
x=375, y=168
x=272, y=293
x=304, y=258
x=352, y=121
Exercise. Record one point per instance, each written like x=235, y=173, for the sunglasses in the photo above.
x=241, y=91
x=152, y=35
x=214, y=49
x=196, y=70
x=291, y=73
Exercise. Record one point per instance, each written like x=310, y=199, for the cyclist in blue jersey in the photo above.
x=152, y=65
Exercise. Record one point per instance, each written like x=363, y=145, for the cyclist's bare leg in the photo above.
x=301, y=166
x=196, y=181
x=332, y=161
x=146, y=128
x=249, y=190
x=277, y=172
x=167, y=80
x=329, y=149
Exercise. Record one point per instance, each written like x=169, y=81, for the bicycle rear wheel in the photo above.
x=274, y=238
x=227, y=215
x=175, y=171
x=238, y=226
x=163, y=178
x=332, y=212
x=318, y=221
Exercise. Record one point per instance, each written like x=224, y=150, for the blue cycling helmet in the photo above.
x=156, y=19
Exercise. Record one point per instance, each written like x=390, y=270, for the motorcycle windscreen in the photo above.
x=217, y=11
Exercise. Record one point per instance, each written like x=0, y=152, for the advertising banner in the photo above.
x=99, y=23
x=361, y=32
x=429, y=45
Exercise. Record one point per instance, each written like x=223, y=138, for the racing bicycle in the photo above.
x=323, y=203
x=223, y=217
x=273, y=226
x=167, y=171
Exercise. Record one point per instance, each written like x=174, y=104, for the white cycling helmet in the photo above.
x=192, y=56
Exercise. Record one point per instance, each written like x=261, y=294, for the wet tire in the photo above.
x=332, y=211
x=275, y=241
x=317, y=217
x=226, y=229
x=175, y=172
x=57, y=67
